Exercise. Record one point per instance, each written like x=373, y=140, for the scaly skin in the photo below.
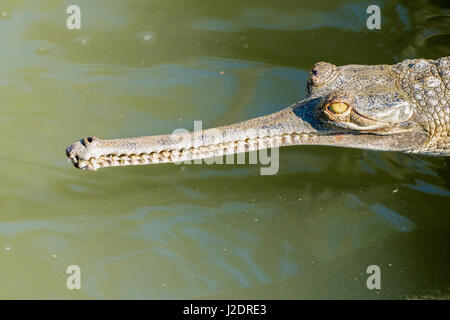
x=403, y=107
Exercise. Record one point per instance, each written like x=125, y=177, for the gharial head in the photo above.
x=369, y=107
x=359, y=99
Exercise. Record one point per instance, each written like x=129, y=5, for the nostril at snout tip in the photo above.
x=88, y=140
x=69, y=151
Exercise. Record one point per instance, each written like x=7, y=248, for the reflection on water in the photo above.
x=207, y=231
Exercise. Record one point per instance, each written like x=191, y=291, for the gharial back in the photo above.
x=426, y=83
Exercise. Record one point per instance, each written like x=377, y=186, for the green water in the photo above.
x=207, y=231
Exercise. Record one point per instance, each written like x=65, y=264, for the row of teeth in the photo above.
x=189, y=154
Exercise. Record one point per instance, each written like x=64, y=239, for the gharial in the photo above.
x=402, y=107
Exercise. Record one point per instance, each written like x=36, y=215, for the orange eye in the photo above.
x=338, y=107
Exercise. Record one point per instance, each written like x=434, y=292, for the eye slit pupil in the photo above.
x=338, y=107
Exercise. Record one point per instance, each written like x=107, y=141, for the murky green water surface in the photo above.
x=207, y=231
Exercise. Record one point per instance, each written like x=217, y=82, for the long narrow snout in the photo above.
x=295, y=125
x=274, y=130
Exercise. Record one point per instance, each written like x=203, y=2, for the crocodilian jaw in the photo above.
x=298, y=124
